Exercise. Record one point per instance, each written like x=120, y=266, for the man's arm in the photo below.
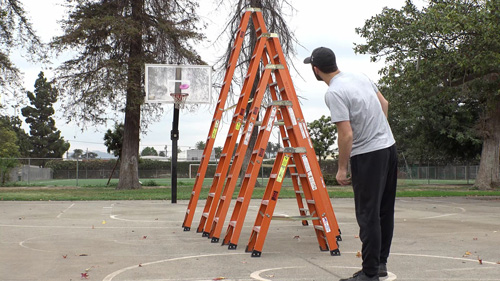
x=345, y=145
x=384, y=103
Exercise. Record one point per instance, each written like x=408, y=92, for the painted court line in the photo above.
x=59, y=216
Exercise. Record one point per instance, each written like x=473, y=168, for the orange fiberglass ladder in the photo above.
x=298, y=151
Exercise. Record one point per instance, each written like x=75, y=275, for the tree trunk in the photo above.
x=488, y=174
x=129, y=165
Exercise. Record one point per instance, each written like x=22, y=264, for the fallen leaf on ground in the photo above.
x=480, y=260
x=219, y=278
x=85, y=275
x=467, y=254
x=144, y=237
x=65, y=256
x=140, y=265
x=358, y=254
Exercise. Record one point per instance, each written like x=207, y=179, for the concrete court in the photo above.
x=435, y=239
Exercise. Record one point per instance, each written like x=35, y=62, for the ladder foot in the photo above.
x=187, y=228
x=339, y=238
x=335, y=252
x=232, y=246
x=256, y=254
x=305, y=223
x=215, y=240
x=247, y=250
x=323, y=249
x=205, y=234
x=340, y=232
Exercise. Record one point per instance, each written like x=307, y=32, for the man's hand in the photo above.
x=342, y=178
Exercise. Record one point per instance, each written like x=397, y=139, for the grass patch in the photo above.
x=159, y=189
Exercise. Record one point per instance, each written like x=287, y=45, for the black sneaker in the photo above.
x=361, y=276
x=382, y=270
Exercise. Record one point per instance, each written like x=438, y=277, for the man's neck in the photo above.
x=329, y=76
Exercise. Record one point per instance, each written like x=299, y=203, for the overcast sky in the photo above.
x=316, y=23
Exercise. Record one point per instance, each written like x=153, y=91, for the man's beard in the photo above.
x=315, y=74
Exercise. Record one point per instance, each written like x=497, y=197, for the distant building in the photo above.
x=195, y=154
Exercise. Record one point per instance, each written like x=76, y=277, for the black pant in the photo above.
x=374, y=179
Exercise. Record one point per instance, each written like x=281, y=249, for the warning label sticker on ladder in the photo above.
x=271, y=119
x=249, y=133
x=216, y=127
x=292, y=115
x=326, y=225
x=309, y=173
x=282, y=171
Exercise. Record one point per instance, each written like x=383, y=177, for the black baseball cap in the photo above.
x=323, y=58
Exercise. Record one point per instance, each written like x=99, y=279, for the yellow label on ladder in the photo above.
x=216, y=127
x=282, y=171
x=238, y=125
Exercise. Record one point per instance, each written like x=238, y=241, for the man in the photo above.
x=364, y=136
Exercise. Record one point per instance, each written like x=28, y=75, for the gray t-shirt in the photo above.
x=353, y=97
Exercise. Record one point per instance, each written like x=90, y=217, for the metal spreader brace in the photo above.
x=298, y=156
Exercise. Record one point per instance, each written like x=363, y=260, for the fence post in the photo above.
x=76, y=171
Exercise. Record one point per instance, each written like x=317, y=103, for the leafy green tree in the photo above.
x=200, y=145
x=113, y=140
x=442, y=79
x=45, y=139
x=149, y=151
x=16, y=33
x=14, y=122
x=89, y=155
x=77, y=153
x=218, y=152
x=323, y=134
x=114, y=39
x=8, y=151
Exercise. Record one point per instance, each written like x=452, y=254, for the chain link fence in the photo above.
x=32, y=171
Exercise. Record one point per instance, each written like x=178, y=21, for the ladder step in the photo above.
x=273, y=176
x=248, y=175
x=216, y=219
x=282, y=103
x=304, y=209
x=310, y=202
x=299, y=192
x=319, y=227
x=294, y=174
x=211, y=194
x=240, y=199
x=223, y=197
x=265, y=202
x=232, y=223
x=217, y=174
x=256, y=229
x=205, y=215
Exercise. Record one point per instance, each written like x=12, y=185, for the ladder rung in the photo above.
x=265, y=202
x=256, y=228
x=187, y=211
x=299, y=192
x=282, y=103
x=303, y=175
x=240, y=199
x=223, y=197
x=223, y=154
x=217, y=174
x=304, y=209
x=205, y=215
x=286, y=138
x=229, y=176
x=232, y=223
x=310, y=202
x=192, y=192
x=248, y=175
x=319, y=227
x=211, y=194
x=273, y=84
x=273, y=176
x=216, y=219
x=294, y=174
x=291, y=165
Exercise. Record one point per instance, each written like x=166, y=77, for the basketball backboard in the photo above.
x=162, y=80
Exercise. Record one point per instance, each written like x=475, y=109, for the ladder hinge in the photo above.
x=275, y=66
x=253, y=9
x=282, y=103
x=294, y=150
x=269, y=35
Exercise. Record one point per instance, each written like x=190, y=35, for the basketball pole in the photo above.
x=174, y=136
